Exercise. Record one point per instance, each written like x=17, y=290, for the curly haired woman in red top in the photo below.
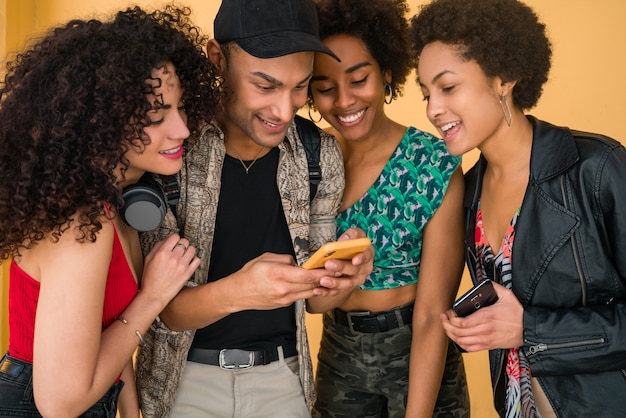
x=84, y=113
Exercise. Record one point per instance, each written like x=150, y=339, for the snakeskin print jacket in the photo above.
x=161, y=360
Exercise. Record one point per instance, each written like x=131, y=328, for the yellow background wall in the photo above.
x=586, y=91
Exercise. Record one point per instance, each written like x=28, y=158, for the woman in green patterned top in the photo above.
x=405, y=190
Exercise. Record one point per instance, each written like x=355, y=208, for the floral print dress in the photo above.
x=519, y=396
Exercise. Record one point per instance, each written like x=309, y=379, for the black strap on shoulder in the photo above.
x=311, y=140
x=172, y=191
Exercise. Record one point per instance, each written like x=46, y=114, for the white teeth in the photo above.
x=171, y=151
x=351, y=118
x=270, y=124
x=449, y=126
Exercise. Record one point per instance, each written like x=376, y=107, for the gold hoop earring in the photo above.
x=388, y=92
x=310, y=116
x=508, y=116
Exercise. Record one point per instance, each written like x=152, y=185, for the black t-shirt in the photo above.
x=250, y=221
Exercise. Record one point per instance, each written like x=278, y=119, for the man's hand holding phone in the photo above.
x=338, y=250
x=348, y=260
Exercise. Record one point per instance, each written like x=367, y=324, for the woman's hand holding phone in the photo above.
x=473, y=328
x=479, y=296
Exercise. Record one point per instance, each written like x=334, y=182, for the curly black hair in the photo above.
x=380, y=24
x=72, y=104
x=505, y=37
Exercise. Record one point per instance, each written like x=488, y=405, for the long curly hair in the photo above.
x=505, y=37
x=380, y=24
x=72, y=104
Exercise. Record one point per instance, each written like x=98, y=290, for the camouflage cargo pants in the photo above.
x=367, y=375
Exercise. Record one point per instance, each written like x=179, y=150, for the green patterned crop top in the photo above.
x=395, y=209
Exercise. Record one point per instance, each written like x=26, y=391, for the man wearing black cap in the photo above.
x=234, y=343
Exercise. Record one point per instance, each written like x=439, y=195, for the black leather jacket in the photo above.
x=569, y=270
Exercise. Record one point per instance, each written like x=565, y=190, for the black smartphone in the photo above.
x=479, y=296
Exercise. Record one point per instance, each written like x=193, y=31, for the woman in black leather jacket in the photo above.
x=550, y=200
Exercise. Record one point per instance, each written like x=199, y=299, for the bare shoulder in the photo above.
x=68, y=247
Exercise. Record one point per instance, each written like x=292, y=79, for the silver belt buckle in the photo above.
x=234, y=359
x=350, y=315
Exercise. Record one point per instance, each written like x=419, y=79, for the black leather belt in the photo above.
x=233, y=359
x=369, y=322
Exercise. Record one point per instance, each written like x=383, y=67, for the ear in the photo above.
x=386, y=76
x=216, y=55
x=506, y=87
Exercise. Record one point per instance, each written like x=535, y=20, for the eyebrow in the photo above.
x=159, y=106
x=275, y=81
x=348, y=70
x=437, y=77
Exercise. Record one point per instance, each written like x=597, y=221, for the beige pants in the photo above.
x=273, y=390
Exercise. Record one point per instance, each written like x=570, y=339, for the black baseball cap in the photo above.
x=270, y=28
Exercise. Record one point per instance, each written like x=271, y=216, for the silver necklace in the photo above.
x=247, y=167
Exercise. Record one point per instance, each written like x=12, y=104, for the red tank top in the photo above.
x=120, y=290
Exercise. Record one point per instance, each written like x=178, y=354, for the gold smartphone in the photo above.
x=342, y=250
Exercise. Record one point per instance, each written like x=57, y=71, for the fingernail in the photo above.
x=331, y=265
